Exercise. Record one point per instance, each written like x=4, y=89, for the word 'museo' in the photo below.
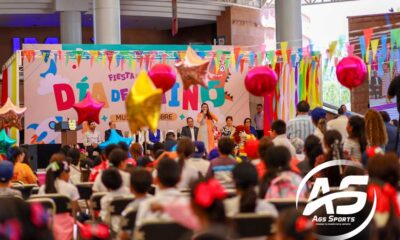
x=64, y=95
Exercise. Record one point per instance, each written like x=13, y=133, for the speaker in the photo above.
x=41, y=153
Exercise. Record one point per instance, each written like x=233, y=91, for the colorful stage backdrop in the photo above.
x=57, y=76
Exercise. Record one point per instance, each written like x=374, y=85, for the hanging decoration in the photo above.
x=11, y=115
x=193, y=69
x=88, y=109
x=143, y=104
x=260, y=81
x=163, y=76
x=351, y=72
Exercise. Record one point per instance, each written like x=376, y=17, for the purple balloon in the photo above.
x=351, y=71
x=261, y=81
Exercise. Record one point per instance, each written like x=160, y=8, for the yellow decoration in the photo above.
x=143, y=104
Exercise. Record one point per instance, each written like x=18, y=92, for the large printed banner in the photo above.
x=58, y=76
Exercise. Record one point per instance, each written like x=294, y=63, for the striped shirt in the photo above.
x=300, y=127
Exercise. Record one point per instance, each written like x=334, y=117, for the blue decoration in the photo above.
x=155, y=138
x=115, y=138
x=5, y=142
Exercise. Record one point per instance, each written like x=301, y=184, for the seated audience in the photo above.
x=112, y=180
x=22, y=220
x=318, y=116
x=301, y=126
x=279, y=138
x=75, y=174
x=140, y=185
x=279, y=181
x=333, y=151
x=293, y=225
x=136, y=151
x=356, y=144
x=168, y=176
x=104, y=162
x=6, y=174
x=57, y=181
x=117, y=160
x=312, y=150
x=170, y=141
x=391, y=131
x=221, y=167
x=246, y=201
x=264, y=145
x=22, y=172
x=384, y=176
x=375, y=130
x=197, y=160
x=185, y=149
x=228, y=130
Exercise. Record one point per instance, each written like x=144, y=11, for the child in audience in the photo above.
x=168, y=176
x=384, y=175
x=22, y=172
x=318, y=117
x=6, y=173
x=279, y=181
x=112, y=180
x=246, y=201
x=264, y=145
x=185, y=149
x=57, y=181
x=292, y=225
x=375, y=129
x=140, y=185
x=221, y=167
x=104, y=162
x=356, y=144
x=312, y=149
x=334, y=151
x=197, y=161
x=117, y=160
x=75, y=174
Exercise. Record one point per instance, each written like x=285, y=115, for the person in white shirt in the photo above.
x=339, y=124
x=75, y=174
x=185, y=149
x=246, y=201
x=117, y=160
x=112, y=180
x=197, y=160
x=141, y=181
x=168, y=176
x=92, y=137
x=356, y=144
x=190, y=131
x=278, y=133
x=57, y=181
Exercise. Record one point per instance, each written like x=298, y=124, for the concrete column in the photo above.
x=288, y=23
x=107, y=21
x=71, y=27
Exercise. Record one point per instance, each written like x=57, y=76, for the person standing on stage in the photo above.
x=108, y=132
x=92, y=138
x=190, y=131
x=207, y=121
x=259, y=121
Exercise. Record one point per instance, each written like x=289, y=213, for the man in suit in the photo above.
x=376, y=85
x=108, y=132
x=190, y=131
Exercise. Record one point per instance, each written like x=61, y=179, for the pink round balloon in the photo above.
x=163, y=76
x=351, y=71
x=260, y=81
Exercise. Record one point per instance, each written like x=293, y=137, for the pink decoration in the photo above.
x=163, y=76
x=261, y=81
x=351, y=71
x=88, y=109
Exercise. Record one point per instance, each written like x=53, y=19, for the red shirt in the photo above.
x=96, y=170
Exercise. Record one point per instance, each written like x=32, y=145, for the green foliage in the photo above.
x=333, y=93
